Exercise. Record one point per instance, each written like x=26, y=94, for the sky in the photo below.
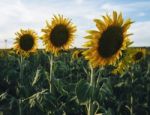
x=25, y=14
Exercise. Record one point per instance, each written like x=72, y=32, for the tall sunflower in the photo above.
x=58, y=34
x=106, y=44
x=26, y=42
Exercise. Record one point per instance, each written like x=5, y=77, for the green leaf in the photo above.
x=60, y=86
x=108, y=112
x=36, y=78
x=120, y=84
x=32, y=102
x=83, y=91
x=3, y=96
x=105, y=90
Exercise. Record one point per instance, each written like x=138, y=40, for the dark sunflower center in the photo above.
x=138, y=56
x=110, y=41
x=80, y=54
x=59, y=35
x=26, y=42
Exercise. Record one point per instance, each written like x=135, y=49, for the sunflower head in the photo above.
x=132, y=56
x=124, y=64
x=106, y=44
x=138, y=55
x=26, y=42
x=59, y=34
x=77, y=54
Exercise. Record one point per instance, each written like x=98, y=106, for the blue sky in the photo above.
x=17, y=14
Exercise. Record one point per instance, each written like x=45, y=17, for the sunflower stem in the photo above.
x=20, y=109
x=131, y=111
x=50, y=72
x=21, y=81
x=92, y=84
x=131, y=97
x=21, y=69
x=131, y=94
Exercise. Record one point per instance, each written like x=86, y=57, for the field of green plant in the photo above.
x=30, y=87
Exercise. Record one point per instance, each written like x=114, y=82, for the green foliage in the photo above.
x=71, y=87
x=83, y=91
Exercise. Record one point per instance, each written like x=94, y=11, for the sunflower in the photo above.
x=138, y=55
x=77, y=54
x=59, y=34
x=106, y=44
x=132, y=56
x=26, y=42
x=123, y=65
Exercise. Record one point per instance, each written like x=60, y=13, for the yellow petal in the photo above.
x=100, y=24
x=114, y=16
x=120, y=19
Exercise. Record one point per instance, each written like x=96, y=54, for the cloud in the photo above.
x=126, y=7
x=141, y=14
x=25, y=14
x=79, y=1
x=16, y=15
x=141, y=35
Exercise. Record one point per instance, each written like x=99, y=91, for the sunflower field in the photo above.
x=105, y=77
